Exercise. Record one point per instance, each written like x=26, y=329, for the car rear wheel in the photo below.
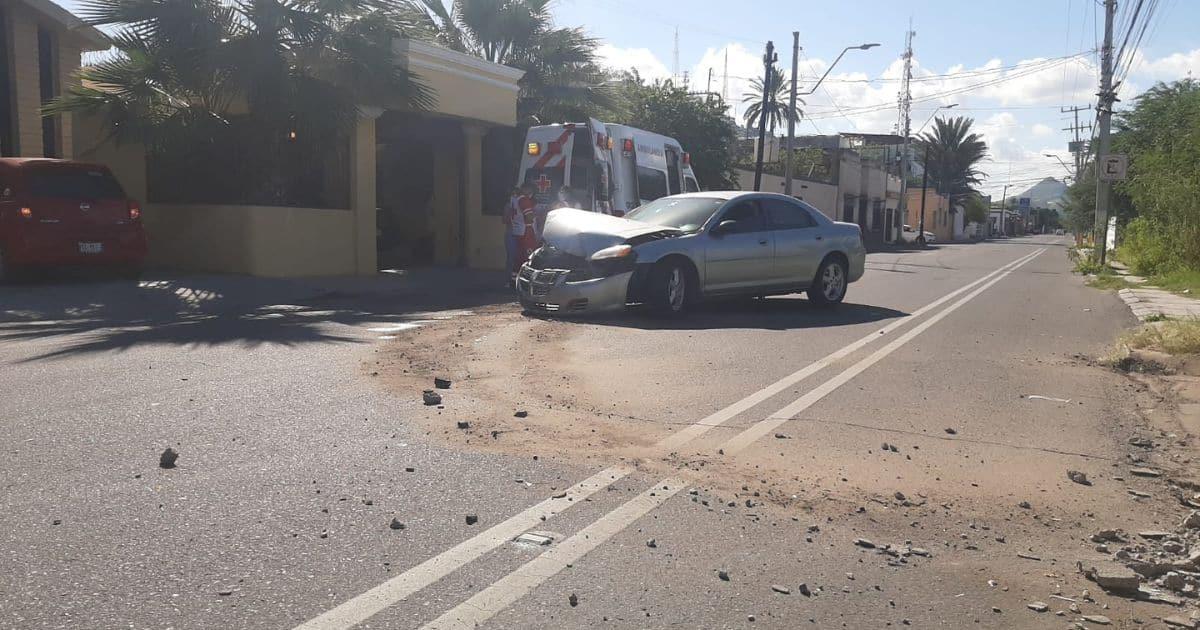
x=829, y=287
x=670, y=289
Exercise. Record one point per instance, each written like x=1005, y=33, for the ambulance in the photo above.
x=609, y=168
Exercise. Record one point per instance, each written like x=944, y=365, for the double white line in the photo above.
x=504, y=592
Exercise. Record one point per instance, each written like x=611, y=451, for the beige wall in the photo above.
x=258, y=240
x=937, y=217
x=127, y=161
x=23, y=22
x=465, y=86
x=823, y=197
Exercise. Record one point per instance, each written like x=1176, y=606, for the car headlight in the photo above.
x=613, y=253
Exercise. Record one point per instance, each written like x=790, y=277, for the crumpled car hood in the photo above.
x=584, y=233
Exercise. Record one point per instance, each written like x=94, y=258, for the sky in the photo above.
x=1012, y=65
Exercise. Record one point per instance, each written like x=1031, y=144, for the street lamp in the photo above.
x=925, y=175
x=787, y=158
x=1060, y=161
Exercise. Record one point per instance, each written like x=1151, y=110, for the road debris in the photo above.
x=431, y=398
x=1037, y=606
x=1114, y=578
x=441, y=382
x=1025, y=505
x=1078, y=477
x=521, y=414
x=463, y=424
x=472, y=519
x=535, y=539
x=1099, y=620
x=951, y=431
x=396, y=524
x=1028, y=556
x=168, y=457
x=782, y=590
x=1144, y=472
x=803, y=590
x=723, y=574
x=573, y=600
x=864, y=543
x=1048, y=398
x=653, y=544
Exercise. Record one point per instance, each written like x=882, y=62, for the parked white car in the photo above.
x=910, y=235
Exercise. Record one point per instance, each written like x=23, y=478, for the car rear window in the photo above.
x=73, y=183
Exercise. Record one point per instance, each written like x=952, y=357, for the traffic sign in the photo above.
x=1114, y=167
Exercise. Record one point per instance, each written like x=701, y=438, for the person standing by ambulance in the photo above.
x=510, y=235
x=523, y=227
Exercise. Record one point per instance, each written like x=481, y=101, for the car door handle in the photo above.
x=820, y=238
x=762, y=242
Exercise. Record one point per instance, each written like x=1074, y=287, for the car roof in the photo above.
x=732, y=194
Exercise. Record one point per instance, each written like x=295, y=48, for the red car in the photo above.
x=60, y=212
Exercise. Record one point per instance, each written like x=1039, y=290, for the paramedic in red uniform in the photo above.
x=523, y=226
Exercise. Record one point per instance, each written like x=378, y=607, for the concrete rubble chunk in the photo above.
x=723, y=575
x=1078, y=477
x=573, y=600
x=396, y=524
x=1114, y=577
x=1037, y=606
x=1100, y=620
x=1179, y=621
x=431, y=398
x=782, y=590
x=803, y=590
x=1144, y=472
x=951, y=431
x=521, y=414
x=1192, y=520
x=1154, y=534
x=1110, y=535
x=441, y=382
x=1025, y=505
x=864, y=543
x=472, y=519
x=535, y=539
x=168, y=457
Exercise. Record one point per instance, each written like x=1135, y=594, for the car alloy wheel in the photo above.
x=833, y=282
x=676, y=289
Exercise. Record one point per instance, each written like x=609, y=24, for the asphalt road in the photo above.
x=745, y=441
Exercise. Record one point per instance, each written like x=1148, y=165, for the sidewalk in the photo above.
x=1151, y=302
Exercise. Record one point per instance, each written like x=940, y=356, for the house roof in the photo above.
x=93, y=39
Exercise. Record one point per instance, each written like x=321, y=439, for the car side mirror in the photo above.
x=725, y=227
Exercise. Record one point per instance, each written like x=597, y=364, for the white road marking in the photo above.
x=512, y=587
x=716, y=419
x=366, y=605
x=506, y=591
x=759, y=429
x=375, y=600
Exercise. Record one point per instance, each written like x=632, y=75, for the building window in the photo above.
x=848, y=209
x=876, y=216
x=48, y=78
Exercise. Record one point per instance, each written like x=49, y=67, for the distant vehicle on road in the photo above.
x=609, y=168
x=677, y=250
x=60, y=212
x=909, y=235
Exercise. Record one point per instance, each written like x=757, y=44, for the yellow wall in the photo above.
x=258, y=240
x=22, y=22
x=464, y=87
x=937, y=217
x=127, y=161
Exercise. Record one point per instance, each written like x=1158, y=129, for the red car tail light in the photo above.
x=135, y=210
x=26, y=213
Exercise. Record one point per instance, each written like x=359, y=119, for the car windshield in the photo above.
x=686, y=213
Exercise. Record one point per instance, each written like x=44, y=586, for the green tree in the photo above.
x=699, y=124
x=562, y=82
x=1161, y=136
x=256, y=89
x=975, y=209
x=954, y=153
x=777, y=107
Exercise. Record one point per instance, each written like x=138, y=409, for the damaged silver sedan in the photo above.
x=676, y=251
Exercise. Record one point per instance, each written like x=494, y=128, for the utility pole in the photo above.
x=675, y=57
x=905, y=120
x=1104, y=106
x=725, y=79
x=924, y=194
x=1003, y=209
x=769, y=59
x=708, y=88
x=791, y=137
x=1076, y=128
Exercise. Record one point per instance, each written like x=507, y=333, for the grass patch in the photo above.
x=1179, y=281
x=1170, y=336
x=1109, y=280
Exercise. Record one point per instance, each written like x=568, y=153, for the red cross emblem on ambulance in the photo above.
x=543, y=183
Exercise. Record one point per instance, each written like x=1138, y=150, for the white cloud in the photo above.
x=1042, y=130
x=640, y=59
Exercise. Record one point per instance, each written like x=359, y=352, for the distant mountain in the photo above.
x=1048, y=193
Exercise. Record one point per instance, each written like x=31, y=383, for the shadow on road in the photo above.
x=776, y=313
x=99, y=316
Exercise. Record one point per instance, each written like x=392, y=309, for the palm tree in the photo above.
x=562, y=79
x=269, y=84
x=778, y=109
x=953, y=154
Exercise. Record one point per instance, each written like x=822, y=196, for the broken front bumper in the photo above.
x=550, y=291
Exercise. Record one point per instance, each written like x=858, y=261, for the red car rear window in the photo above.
x=73, y=182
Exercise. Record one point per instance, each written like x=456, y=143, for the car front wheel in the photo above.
x=829, y=287
x=670, y=289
